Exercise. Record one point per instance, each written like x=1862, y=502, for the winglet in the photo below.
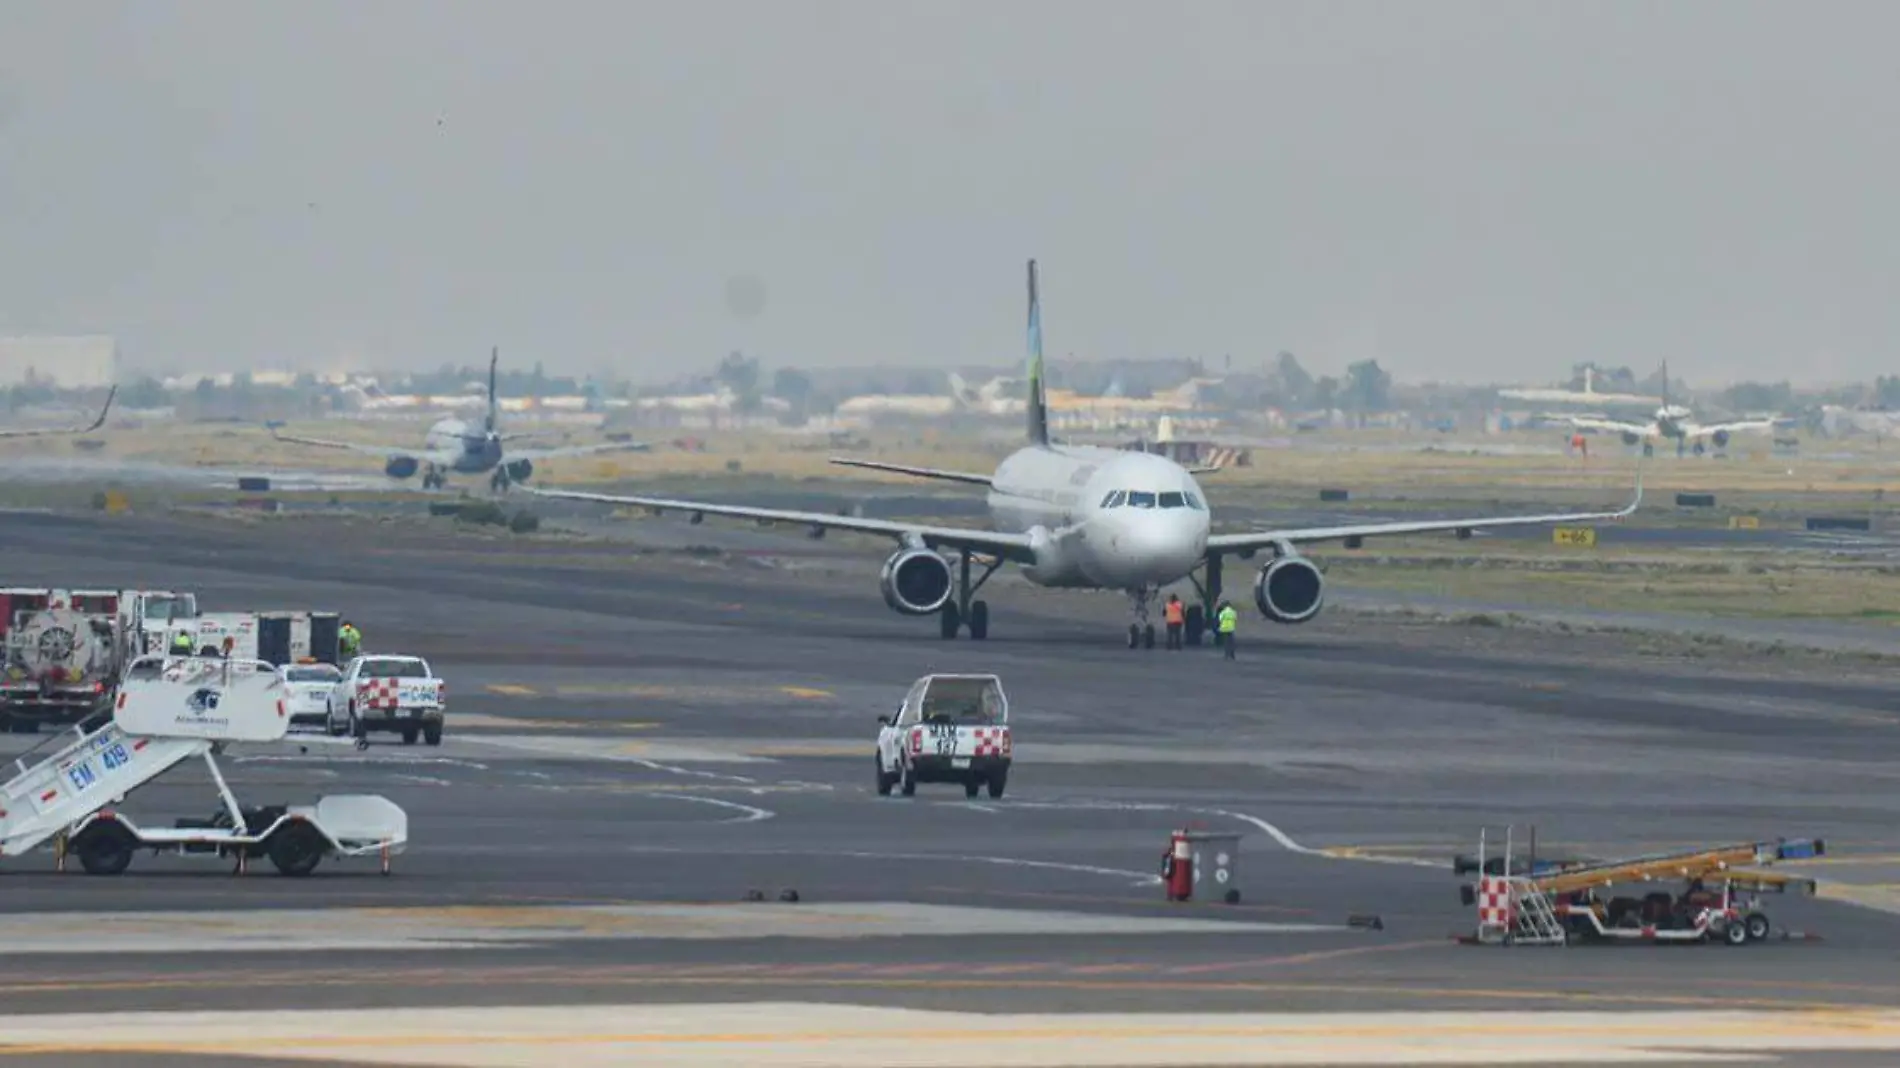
x=101, y=421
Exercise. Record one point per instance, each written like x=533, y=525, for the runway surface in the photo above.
x=639, y=743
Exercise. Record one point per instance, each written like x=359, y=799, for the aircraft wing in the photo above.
x=1009, y=546
x=575, y=450
x=1267, y=538
x=34, y=432
x=1609, y=425
x=440, y=457
x=920, y=472
x=1730, y=428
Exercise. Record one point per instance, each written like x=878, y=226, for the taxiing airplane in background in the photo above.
x=1671, y=422
x=1089, y=518
x=455, y=446
x=35, y=432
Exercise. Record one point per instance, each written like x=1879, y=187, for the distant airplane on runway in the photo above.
x=1671, y=422
x=455, y=446
x=1090, y=518
x=34, y=432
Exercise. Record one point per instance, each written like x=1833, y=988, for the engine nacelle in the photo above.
x=1289, y=590
x=1720, y=438
x=519, y=470
x=1629, y=438
x=401, y=466
x=915, y=582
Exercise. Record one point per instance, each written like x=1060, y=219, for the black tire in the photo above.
x=1735, y=934
x=1194, y=625
x=409, y=735
x=979, y=620
x=432, y=733
x=971, y=786
x=1148, y=636
x=1758, y=926
x=296, y=848
x=330, y=726
x=884, y=779
x=907, y=781
x=998, y=780
x=1134, y=636
x=949, y=620
x=104, y=848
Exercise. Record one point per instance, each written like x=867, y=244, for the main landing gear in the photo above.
x=1194, y=620
x=960, y=609
x=433, y=478
x=499, y=481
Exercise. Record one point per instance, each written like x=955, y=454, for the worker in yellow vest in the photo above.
x=1228, y=621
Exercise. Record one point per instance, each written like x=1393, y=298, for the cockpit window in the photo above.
x=1114, y=499
x=1193, y=501
x=1173, y=500
x=1140, y=499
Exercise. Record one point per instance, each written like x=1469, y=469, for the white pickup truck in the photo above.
x=950, y=728
x=388, y=693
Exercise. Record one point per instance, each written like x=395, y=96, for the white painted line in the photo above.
x=751, y=815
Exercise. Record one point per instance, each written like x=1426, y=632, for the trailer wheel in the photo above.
x=1757, y=926
x=296, y=848
x=1735, y=934
x=104, y=848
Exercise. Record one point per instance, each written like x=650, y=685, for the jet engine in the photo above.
x=401, y=466
x=915, y=582
x=519, y=470
x=1720, y=438
x=1289, y=590
x=1629, y=438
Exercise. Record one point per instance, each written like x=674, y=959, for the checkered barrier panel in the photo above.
x=379, y=693
x=1494, y=903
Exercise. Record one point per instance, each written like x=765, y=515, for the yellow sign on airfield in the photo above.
x=1577, y=537
x=1744, y=522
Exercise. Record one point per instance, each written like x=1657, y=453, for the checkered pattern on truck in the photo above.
x=388, y=693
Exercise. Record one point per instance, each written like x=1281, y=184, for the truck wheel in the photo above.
x=884, y=779
x=432, y=733
x=296, y=848
x=409, y=735
x=105, y=848
x=998, y=780
x=907, y=781
x=970, y=787
x=1757, y=926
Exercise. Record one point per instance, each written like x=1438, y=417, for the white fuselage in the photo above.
x=475, y=452
x=1113, y=519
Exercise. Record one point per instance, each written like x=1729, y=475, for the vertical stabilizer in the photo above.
x=1038, y=410
x=494, y=405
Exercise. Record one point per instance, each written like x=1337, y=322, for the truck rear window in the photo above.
x=393, y=669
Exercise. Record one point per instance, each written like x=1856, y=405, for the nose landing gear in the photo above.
x=1141, y=633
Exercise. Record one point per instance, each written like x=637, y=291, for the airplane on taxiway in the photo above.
x=453, y=446
x=1090, y=518
x=34, y=432
x=1671, y=422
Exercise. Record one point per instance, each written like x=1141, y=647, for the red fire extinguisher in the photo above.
x=1177, y=868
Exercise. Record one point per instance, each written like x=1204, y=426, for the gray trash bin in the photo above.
x=1216, y=865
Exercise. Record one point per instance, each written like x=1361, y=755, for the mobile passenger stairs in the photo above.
x=1524, y=901
x=170, y=710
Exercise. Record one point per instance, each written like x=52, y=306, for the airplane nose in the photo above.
x=1145, y=547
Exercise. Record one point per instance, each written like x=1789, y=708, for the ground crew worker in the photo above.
x=349, y=640
x=1229, y=619
x=181, y=644
x=1175, y=615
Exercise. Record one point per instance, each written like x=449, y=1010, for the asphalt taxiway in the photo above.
x=639, y=745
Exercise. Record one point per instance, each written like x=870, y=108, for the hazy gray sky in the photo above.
x=1463, y=190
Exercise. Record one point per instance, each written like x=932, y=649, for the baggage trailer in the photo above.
x=170, y=710
x=1521, y=901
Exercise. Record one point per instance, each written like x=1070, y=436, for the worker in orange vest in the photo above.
x=1176, y=616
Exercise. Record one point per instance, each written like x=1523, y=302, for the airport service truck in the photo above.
x=950, y=728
